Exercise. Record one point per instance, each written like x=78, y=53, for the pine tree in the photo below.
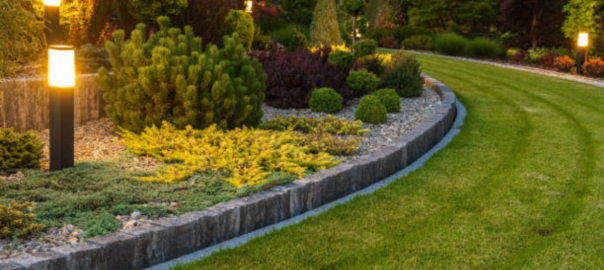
x=170, y=78
x=324, y=29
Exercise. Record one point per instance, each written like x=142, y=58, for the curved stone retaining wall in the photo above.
x=169, y=238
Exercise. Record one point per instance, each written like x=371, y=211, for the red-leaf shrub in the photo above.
x=565, y=63
x=292, y=76
x=389, y=42
x=519, y=56
x=594, y=67
x=262, y=11
x=548, y=59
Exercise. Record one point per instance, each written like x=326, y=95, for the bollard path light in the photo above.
x=61, y=82
x=583, y=43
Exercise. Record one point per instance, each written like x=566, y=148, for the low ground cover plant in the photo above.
x=371, y=110
x=404, y=75
x=325, y=100
x=292, y=76
x=390, y=99
x=15, y=221
x=330, y=124
x=249, y=155
x=362, y=82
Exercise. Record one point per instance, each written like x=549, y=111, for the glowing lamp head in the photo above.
x=61, y=66
x=248, y=6
x=52, y=3
x=583, y=40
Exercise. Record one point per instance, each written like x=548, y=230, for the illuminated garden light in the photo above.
x=582, y=43
x=583, y=40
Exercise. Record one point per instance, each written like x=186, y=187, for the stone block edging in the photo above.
x=170, y=238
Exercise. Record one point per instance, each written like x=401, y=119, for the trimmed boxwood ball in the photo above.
x=451, y=44
x=404, y=75
x=362, y=82
x=325, y=100
x=364, y=47
x=343, y=60
x=371, y=110
x=390, y=99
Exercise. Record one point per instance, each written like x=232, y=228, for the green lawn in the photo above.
x=521, y=187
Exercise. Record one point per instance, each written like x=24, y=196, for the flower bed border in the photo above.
x=169, y=238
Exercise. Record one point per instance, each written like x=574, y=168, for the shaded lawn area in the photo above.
x=521, y=187
x=91, y=194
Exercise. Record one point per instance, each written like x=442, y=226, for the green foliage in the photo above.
x=168, y=77
x=14, y=222
x=321, y=141
x=451, y=44
x=353, y=7
x=21, y=35
x=390, y=99
x=372, y=63
x=299, y=42
x=242, y=23
x=419, y=43
x=272, y=24
x=324, y=28
x=325, y=100
x=364, y=47
x=297, y=11
x=483, y=47
x=511, y=52
x=362, y=82
x=19, y=151
x=261, y=41
x=404, y=75
x=96, y=224
x=534, y=54
x=285, y=35
x=583, y=17
x=440, y=13
x=249, y=155
x=330, y=124
x=371, y=110
x=91, y=58
x=402, y=33
x=342, y=59
x=147, y=11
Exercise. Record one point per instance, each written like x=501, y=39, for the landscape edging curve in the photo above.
x=170, y=238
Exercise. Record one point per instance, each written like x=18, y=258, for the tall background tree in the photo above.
x=532, y=22
x=324, y=28
x=584, y=16
x=354, y=8
x=442, y=13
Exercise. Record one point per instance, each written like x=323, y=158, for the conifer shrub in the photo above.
x=292, y=76
x=330, y=124
x=362, y=82
x=168, y=77
x=325, y=100
x=14, y=221
x=390, y=99
x=418, y=43
x=404, y=75
x=364, y=47
x=342, y=59
x=324, y=29
x=298, y=42
x=483, y=47
x=242, y=23
x=372, y=63
x=451, y=44
x=19, y=151
x=371, y=110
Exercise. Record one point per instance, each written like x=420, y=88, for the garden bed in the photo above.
x=100, y=195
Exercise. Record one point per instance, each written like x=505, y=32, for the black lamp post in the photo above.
x=61, y=81
x=582, y=52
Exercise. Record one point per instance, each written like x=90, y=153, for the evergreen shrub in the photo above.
x=371, y=110
x=390, y=99
x=298, y=42
x=483, y=47
x=342, y=59
x=168, y=77
x=364, y=47
x=324, y=29
x=404, y=75
x=292, y=76
x=19, y=151
x=372, y=63
x=362, y=82
x=418, y=43
x=14, y=221
x=451, y=44
x=242, y=23
x=325, y=100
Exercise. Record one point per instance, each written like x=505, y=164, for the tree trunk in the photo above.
x=354, y=30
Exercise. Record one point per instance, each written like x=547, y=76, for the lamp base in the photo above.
x=61, y=128
x=580, y=61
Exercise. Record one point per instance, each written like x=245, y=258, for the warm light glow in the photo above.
x=249, y=5
x=61, y=66
x=54, y=3
x=358, y=34
x=583, y=40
